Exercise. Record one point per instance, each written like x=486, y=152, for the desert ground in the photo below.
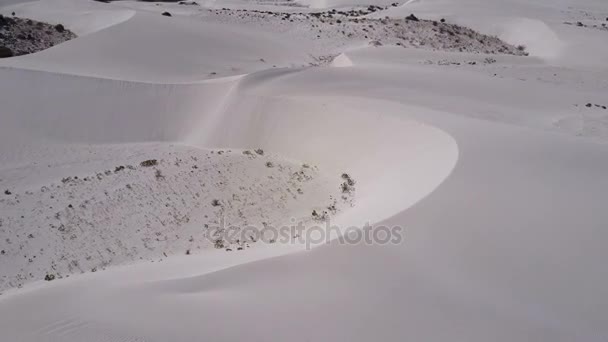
x=146, y=148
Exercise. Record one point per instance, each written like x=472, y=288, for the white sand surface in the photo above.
x=493, y=166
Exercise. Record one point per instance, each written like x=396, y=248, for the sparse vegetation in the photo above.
x=124, y=195
x=320, y=217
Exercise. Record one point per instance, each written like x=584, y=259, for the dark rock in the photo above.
x=412, y=18
x=59, y=28
x=588, y=105
x=5, y=52
x=166, y=14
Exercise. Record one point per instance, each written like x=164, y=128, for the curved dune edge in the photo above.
x=383, y=152
x=227, y=115
x=80, y=17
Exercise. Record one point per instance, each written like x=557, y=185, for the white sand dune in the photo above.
x=493, y=165
x=82, y=17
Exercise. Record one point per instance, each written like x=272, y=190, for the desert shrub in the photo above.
x=5, y=52
x=347, y=186
x=149, y=162
x=412, y=17
x=346, y=189
x=219, y=243
x=323, y=216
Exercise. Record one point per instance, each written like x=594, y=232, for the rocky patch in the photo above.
x=20, y=36
x=338, y=28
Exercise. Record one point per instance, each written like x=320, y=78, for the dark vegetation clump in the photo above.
x=412, y=18
x=219, y=243
x=320, y=217
x=5, y=52
x=348, y=185
x=149, y=162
